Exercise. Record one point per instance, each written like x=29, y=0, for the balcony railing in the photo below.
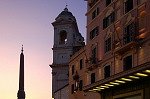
x=120, y=49
x=92, y=63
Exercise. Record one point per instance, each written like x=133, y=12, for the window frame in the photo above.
x=80, y=85
x=95, y=13
x=92, y=3
x=129, y=32
x=127, y=5
x=94, y=55
x=73, y=69
x=108, y=2
x=93, y=78
x=107, y=21
x=106, y=75
x=94, y=33
x=81, y=63
x=108, y=44
x=127, y=63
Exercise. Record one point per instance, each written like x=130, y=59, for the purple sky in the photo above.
x=28, y=22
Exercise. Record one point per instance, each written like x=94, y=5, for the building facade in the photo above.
x=117, y=64
x=62, y=93
x=78, y=75
x=67, y=40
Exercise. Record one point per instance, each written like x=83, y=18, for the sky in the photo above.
x=28, y=22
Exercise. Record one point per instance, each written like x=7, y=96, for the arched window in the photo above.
x=63, y=37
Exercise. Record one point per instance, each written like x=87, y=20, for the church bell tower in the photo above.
x=67, y=40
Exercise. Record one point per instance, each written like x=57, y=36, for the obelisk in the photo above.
x=21, y=92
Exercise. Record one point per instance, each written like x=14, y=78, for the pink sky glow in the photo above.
x=28, y=22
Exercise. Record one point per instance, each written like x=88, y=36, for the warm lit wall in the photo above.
x=114, y=57
x=75, y=60
x=139, y=51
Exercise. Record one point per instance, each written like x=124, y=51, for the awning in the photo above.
x=136, y=73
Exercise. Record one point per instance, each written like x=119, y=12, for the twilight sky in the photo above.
x=28, y=22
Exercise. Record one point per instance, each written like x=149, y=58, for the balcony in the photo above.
x=92, y=63
x=126, y=47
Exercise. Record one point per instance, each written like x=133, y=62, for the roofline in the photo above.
x=62, y=88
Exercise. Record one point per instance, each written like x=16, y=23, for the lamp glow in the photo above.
x=109, y=85
x=119, y=81
x=114, y=83
x=98, y=87
x=135, y=77
x=141, y=74
x=104, y=86
x=126, y=79
x=147, y=71
x=95, y=89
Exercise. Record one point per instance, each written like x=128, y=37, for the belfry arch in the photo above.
x=63, y=37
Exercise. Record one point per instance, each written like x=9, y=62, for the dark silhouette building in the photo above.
x=21, y=92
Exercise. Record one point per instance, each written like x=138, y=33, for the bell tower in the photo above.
x=67, y=40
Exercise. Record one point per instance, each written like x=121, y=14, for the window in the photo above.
x=95, y=13
x=93, y=56
x=128, y=5
x=108, y=2
x=108, y=20
x=72, y=88
x=80, y=85
x=127, y=63
x=107, y=71
x=81, y=64
x=63, y=37
x=129, y=33
x=92, y=78
x=108, y=45
x=94, y=33
x=72, y=69
x=93, y=2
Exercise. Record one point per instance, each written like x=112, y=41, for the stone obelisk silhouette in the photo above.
x=21, y=92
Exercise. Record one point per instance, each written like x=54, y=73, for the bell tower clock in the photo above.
x=67, y=40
